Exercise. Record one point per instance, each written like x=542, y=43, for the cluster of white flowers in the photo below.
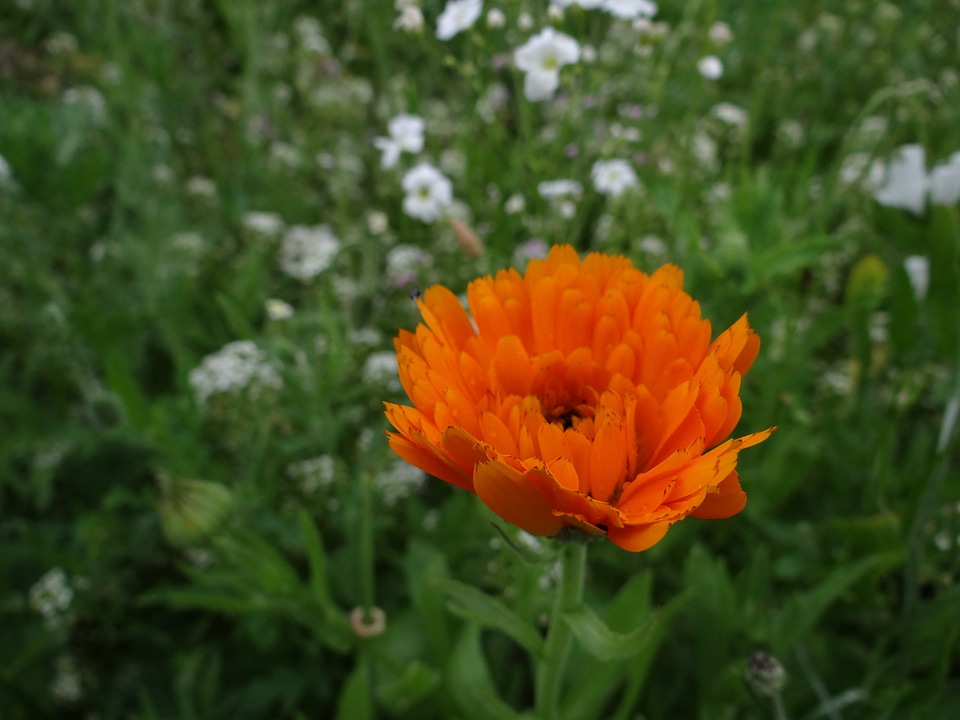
x=234, y=367
x=907, y=183
x=613, y=177
x=541, y=59
x=51, y=596
x=381, y=368
x=404, y=263
x=410, y=19
x=405, y=134
x=623, y=9
x=398, y=481
x=457, y=16
x=313, y=474
x=308, y=251
x=429, y=193
x=262, y=224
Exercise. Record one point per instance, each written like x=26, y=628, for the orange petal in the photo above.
x=728, y=500
x=515, y=499
x=427, y=459
x=638, y=537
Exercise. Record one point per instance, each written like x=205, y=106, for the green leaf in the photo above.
x=416, y=682
x=471, y=604
x=355, y=702
x=313, y=544
x=237, y=321
x=425, y=567
x=800, y=615
x=470, y=682
x=602, y=642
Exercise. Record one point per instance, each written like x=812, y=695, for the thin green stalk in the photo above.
x=365, y=548
x=559, y=636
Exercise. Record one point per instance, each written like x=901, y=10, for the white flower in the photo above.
x=202, y=187
x=51, y=595
x=429, y=193
x=515, y=204
x=613, y=177
x=267, y=224
x=381, y=368
x=278, y=309
x=496, y=18
x=313, y=474
x=398, y=481
x=710, y=67
x=308, y=251
x=6, y=174
x=918, y=271
x=720, y=33
x=945, y=182
x=559, y=188
x=730, y=114
x=235, y=366
x=404, y=262
x=406, y=134
x=524, y=21
x=906, y=184
x=458, y=15
x=630, y=9
x=410, y=19
x=541, y=58
x=586, y=4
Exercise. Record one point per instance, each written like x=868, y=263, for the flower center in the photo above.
x=550, y=62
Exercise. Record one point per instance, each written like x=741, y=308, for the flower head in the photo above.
x=308, y=251
x=429, y=193
x=458, y=15
x=406, y=134
x=541, y=58
x=906, y=183
x=613, y=177
x=581, y=394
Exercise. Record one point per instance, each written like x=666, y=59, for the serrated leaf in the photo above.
x=470, y=682
x=471, y=604
x=602, y=642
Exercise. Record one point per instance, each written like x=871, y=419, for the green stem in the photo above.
x=569, y=597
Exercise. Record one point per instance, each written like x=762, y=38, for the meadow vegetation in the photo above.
x=216, y=215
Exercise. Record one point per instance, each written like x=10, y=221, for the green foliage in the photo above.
x=170, y=548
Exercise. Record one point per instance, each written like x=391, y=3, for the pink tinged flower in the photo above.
x=906, y=184
x=945, y=182
x=710, y=67
x=541, y=58
x=429, y=193
x=630, y=9
x=405, y=135
x=458, y=15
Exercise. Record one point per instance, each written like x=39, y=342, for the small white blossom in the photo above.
x=496, y=18
x=586, y=4
x=313, y=474
x=945, y=182
x=457, y=16
x=308, y=251
x=730, y=114
x=66, y=687
x=630, y=9
x=404, y=263
x=613, y=177
x=515, y=204
x=278, y=310
x=265, y=224
x=235, y=366
x=51, y=595
x=524, y=21
x=381, y=368
x=377, y=222
x=720, y=33
x=405, y=135
x=410, y=19
x=559, y=188
x=429, y=193
x=398, y=481
x=6, y=174
x=541, y=58
x=89, y=100
x=710, y=67
x=367, y=336
x=906, y=183
x=202, y=187
x=918, y=271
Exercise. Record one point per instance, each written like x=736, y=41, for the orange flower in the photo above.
x=583, y=394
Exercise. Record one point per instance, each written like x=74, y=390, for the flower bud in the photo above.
x=765, y=674
x=467, y=238
x=192, y=510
